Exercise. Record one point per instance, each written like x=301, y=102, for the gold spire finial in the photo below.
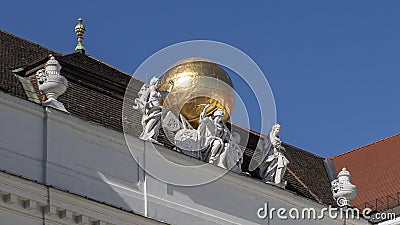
x=80, y=31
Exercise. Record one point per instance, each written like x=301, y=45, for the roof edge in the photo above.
x=31, y=42
x=106, y=64
x=298, y=148
x=365, y=146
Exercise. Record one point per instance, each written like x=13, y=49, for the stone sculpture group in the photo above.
x=212, y=141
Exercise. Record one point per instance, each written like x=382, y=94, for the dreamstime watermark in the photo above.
x=343, y=212
x=311, y=213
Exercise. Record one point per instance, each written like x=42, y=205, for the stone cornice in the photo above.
x=43, y=203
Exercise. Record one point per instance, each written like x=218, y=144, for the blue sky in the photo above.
x=333, y=65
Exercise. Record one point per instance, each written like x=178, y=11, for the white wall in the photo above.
x=92, y=161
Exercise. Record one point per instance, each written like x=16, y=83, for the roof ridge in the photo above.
x=115, y=68
x=31, y=42
x=304, y=150
x=33, y=63
x=248, y=129
x=261, y=135
x=71, y=53
x=106, y=64
x=364, y=146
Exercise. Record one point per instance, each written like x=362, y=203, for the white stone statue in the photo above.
x=148, y=102
x=232, y=157
x=343, y=191
x=213, y=135
x=211, y=142
x=51, y=83
x=269, y=158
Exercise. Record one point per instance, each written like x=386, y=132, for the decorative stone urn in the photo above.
x=52, y=84
x=342, y=188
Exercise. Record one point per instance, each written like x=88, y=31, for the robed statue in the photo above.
x=148, y=102
x=270, y=159
x=213, y=135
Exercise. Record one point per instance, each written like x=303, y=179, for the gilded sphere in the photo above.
x=198, y=82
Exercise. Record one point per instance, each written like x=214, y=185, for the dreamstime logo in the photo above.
x=344, y=212
x=158, y=163
x=342, y=202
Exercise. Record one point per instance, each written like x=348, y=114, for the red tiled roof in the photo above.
x=374, y=169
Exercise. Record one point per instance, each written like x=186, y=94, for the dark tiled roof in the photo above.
x=96, y=92
x=375, y=171
x=16, y=52
x=312, y=178
x=97, y=67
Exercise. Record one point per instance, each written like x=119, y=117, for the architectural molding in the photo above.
x=43, y=203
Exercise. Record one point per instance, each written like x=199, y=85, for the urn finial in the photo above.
x=51, y=83
x=342, y=188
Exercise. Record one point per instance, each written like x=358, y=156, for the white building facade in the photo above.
x=53, y=162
